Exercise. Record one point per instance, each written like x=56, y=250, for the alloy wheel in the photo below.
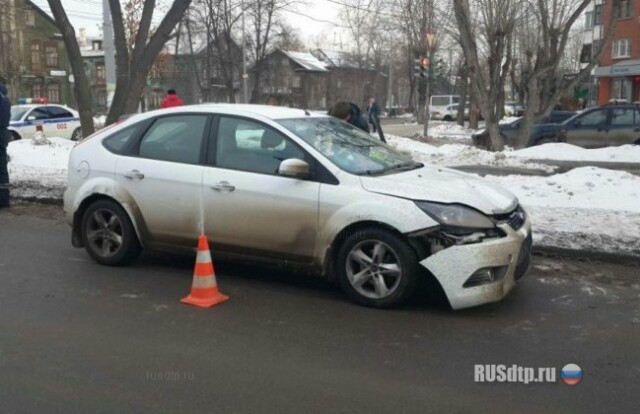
x=373, y=269
x=105, y=233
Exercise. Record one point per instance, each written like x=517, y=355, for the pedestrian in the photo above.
x=349, y=112
x=171, y=100
x=5, y=115
x=373, y=111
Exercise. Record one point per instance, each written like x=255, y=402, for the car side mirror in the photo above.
x=294, y=167
x=31, y=118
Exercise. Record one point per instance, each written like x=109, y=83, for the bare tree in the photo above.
x=264, y=35
x=497, y=20
x=132, y=70
x=82, y=91
x=545, y=42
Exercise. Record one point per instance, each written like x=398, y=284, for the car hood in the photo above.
x=443, y=185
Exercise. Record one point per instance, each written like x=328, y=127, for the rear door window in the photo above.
x=621, y=117
x=176, y=138
x=39, y=114
x=117, y=142
x=57, y=113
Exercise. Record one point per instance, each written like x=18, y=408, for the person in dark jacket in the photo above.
x=5, y=116
x=171, y=100
x=373, y=111
x=349, y=112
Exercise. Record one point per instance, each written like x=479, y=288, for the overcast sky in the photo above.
x=315, y=19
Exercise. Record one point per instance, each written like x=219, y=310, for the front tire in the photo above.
x=447, y=119
x=108, y=235
x=377, y=268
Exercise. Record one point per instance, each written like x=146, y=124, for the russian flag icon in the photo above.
x=571, y=374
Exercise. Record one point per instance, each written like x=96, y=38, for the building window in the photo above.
x=624, y=9
x=51, y=55
x=53, y=93
x=586, y=54
x=37, y=90
x=588, y=20
x=100, y=74
x=621, y=49
x=285, y=62
x=36, y=57
x=621, y=88
x=597, y=14
x=595, y=48
x=295, y=82
x=30, y=18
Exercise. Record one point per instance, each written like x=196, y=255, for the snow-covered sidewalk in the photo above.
x=527, y=158
x=586, y=208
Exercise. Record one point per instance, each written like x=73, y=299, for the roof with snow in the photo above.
x=306, y=60
x=337, y=59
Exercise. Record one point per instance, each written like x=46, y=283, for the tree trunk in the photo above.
x=463, y=96
x=81, y=89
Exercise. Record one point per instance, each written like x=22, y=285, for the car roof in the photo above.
x=267, y=111
x=31, y=106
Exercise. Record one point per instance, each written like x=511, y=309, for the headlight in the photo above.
x=455, y=215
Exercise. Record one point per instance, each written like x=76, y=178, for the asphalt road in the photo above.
x=76, y=337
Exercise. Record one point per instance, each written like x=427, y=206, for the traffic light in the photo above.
x=422, y=67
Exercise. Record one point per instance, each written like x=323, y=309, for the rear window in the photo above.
x=440, y=100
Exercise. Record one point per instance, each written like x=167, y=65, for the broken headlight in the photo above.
x=456, y=216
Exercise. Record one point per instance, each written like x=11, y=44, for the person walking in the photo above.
x=373, y=111
x=171, y=100
x=5, y=116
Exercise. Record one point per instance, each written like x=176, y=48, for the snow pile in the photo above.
x=451, y=130
x=568, y=152
x=459, y=154
x=39, y=171
x=99, y=121
x=585, y=209
x=508, y=120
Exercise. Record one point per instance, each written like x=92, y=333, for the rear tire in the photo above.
x=14, y=136
x=447, y=118
x=377, y=268
x=108, y=235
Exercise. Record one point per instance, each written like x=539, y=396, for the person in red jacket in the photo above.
x=171, y=100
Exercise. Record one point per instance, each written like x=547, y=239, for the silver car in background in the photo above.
x=284, y=186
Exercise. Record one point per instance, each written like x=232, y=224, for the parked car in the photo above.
x=56, y=120
x=448, y=113
x=513, y=109
x=607, y=125
x=285, y=186
x=510, y=130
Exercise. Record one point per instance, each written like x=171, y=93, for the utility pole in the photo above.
x=109, y=51
x=430, y=40
x=245, y=77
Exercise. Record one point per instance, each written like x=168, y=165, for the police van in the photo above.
x=56, y=120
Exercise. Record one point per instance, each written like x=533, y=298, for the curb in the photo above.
x=586, y=255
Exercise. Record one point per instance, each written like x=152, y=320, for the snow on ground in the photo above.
x=459, y=154
x=568, y=152
x=451, y=131
x=39, y=171
x=585, y=209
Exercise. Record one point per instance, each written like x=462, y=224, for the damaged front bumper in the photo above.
x=479, y=273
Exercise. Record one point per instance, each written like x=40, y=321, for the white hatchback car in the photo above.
x=56, y=120
x=284, y=186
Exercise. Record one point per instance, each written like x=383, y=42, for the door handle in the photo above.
x=134, y=174
x=223, y=186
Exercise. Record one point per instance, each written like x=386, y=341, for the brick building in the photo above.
x=619, y=72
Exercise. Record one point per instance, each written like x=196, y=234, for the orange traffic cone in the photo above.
x=204, y=290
